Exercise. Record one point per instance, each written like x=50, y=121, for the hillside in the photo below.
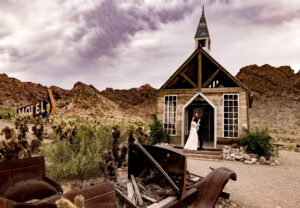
x=140, y=99
x=82, y=100
x=276, y=103
x=14, y=93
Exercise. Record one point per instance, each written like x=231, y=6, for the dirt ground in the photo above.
x=259, y=186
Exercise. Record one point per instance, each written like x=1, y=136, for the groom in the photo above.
x=200, y=130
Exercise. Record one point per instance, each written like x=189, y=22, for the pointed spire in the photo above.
x=202, y=30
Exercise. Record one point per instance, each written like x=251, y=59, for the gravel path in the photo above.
x=259, y=186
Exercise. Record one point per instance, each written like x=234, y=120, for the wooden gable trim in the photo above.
x=178, y=70
x=225, y=71
x=203, y=90
x=211, y=78
x=188, y=79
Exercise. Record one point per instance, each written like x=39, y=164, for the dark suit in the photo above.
x=200, y=132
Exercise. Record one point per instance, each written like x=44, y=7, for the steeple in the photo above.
x=202, y=38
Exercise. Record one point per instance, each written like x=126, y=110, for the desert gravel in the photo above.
x=259, y=186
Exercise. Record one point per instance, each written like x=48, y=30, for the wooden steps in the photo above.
x=206, y=153
x=215, y=154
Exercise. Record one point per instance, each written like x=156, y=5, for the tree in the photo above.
x=157, y=132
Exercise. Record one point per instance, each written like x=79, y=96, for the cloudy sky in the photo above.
x=127, y=43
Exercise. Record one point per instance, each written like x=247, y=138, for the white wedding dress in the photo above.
x=192, y=141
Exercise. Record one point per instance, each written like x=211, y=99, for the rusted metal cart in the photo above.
x=23, y=183
x=148, y=163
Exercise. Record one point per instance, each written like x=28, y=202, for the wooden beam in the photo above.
x=204, y=90
x=225, y=71
x=163, y=202
x=222, y=90
x=124, y=198
x=199, y=70
x=188, y=79
x=130, y=192
x=179, y=70
x=211, y=78
x=173, y=82
x=149, y=199
x=137, y=191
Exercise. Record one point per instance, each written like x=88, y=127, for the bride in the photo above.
x=192, y=142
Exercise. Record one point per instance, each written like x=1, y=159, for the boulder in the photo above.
x=246, y=157
x=276, y=161
x=263, y=160
x=253, y=160
x=238, y=157
x=234, y=145
x=226, y=151
x=248, y=162
x=254, y=155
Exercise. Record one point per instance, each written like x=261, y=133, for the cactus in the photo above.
x=8, y=132
x=138, y=129
x=21, y=125
x=113, y=159
x=115, y=145
x=131, y=139
x=122, y=156
x=11, y=147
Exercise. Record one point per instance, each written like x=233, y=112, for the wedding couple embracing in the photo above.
x=195, y=138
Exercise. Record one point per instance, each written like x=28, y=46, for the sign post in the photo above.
x=45, y=108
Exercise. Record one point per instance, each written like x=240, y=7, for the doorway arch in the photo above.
x=184, y=117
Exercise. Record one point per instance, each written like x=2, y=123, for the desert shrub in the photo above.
x=258, y=142
x=7, y=115
x=138, y=129
x=157, y=132
x=78, y=159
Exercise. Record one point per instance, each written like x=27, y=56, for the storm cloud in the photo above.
x=127, y=43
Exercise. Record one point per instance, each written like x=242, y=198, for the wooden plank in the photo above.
x=222, y=90
x=125, y=198
x=199, y=70
x=163, y=202
x=137, y=191
x=188, y=79
x=149, y=199
x=130, y=192
x=183, y=92
x=211, y=78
